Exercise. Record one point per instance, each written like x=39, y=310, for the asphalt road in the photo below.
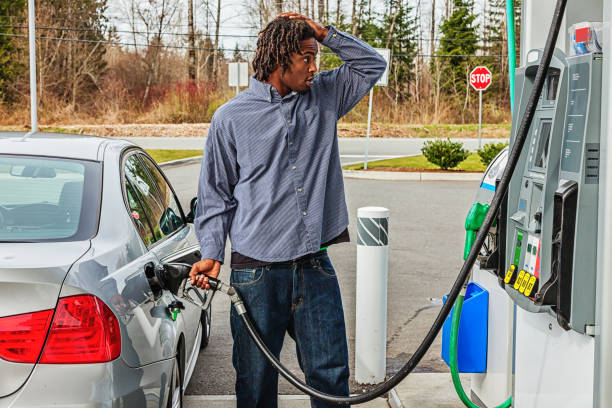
x=352, y=150
x=425, y=250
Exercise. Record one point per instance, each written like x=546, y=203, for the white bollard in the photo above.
x=371, y=295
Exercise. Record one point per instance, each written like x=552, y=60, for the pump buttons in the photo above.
x=525, y=282
x=510, y=275
x=532, y=286
x=519, y=279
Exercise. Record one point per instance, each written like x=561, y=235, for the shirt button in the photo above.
x=334, y=35
x=288, y=120
x=293, y=168
x=304, y=213
x=299, y=190
x=290, y=143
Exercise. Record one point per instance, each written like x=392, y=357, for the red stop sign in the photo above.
x=480, y=78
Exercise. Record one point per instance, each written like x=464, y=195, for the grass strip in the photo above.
x=472, y=163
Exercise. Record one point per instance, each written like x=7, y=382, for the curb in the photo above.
x=179, y=162
x=394, y=399
x=411, y=176
x=370, y=175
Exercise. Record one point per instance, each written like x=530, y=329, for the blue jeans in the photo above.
x=300, y=298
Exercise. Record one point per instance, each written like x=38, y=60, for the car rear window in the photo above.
x=48, y=199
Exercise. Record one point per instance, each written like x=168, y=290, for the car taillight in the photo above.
x=84, y=330
x=22, y=336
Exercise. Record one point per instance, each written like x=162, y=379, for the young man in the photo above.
x=271, y=178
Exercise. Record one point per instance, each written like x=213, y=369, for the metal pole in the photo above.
x=32, y=40
x=371, y=294
x=480, y=119
x=511, y=48
x=365, y=163
x=237, y=78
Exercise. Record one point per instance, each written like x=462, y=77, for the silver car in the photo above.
x=86, y=223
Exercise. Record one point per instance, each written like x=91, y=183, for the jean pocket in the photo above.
x=324, y=266
x=247, y=276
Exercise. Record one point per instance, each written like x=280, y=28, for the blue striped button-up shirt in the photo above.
x=271, y=174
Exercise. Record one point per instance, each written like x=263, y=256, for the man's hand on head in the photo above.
x=319, y=30
x=200, y=271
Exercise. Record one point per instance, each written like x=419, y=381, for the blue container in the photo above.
x=473, y=328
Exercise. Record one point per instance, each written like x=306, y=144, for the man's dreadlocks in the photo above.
x=276, y=43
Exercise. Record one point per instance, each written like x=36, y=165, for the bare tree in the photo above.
x=150, y=20
x=354, y=18
x=192, y=53
x=216, y=50
x=433, y=27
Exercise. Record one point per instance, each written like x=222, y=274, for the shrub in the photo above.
x=489, y=151
x=444, y=153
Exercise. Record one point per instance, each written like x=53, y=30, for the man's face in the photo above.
x=299, y=74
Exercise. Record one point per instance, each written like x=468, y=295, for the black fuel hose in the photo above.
x=467, y=265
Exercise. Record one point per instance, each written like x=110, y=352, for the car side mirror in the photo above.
x=192, y=210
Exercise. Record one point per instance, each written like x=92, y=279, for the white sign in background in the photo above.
x=238, y=73
x=386, y=54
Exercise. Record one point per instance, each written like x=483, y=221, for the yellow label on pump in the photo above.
x=519, y=279
x=530, y=286
x=524, y=282
x=510, y=274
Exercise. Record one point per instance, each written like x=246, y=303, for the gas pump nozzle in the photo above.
x=473, y=222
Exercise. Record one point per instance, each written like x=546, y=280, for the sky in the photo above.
x=235, y=20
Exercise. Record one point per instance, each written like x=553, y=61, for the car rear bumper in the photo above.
x=111, y=384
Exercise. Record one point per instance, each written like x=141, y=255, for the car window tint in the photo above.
x=144, y=187
x=139, y=217
x=171, y=219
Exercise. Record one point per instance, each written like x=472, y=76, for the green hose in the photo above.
x=511, y=48
x=453, y=359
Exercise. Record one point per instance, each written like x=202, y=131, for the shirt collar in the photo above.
x=266, y=91
x=261, y=89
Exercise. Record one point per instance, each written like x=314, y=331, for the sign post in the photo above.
x=238, y=74
x=480, y=79
x=386, y=54
x=33, y=86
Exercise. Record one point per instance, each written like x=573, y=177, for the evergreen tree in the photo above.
x=495, y=44
x=401, y=31
x=458, y=41
x=10, y=67
x=237, y=55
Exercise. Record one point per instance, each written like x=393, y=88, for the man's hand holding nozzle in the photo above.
x=200, y=271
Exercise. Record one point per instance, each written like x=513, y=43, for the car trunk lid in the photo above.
x=31, y=277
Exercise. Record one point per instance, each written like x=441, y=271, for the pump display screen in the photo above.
x=541, y=157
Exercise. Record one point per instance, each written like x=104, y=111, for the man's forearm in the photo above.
x=358, y=55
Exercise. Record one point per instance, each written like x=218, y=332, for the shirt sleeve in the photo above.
x=362, y=68
x=216, y=203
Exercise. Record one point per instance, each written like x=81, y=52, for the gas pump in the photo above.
x=547, y=320
x=543, y=291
